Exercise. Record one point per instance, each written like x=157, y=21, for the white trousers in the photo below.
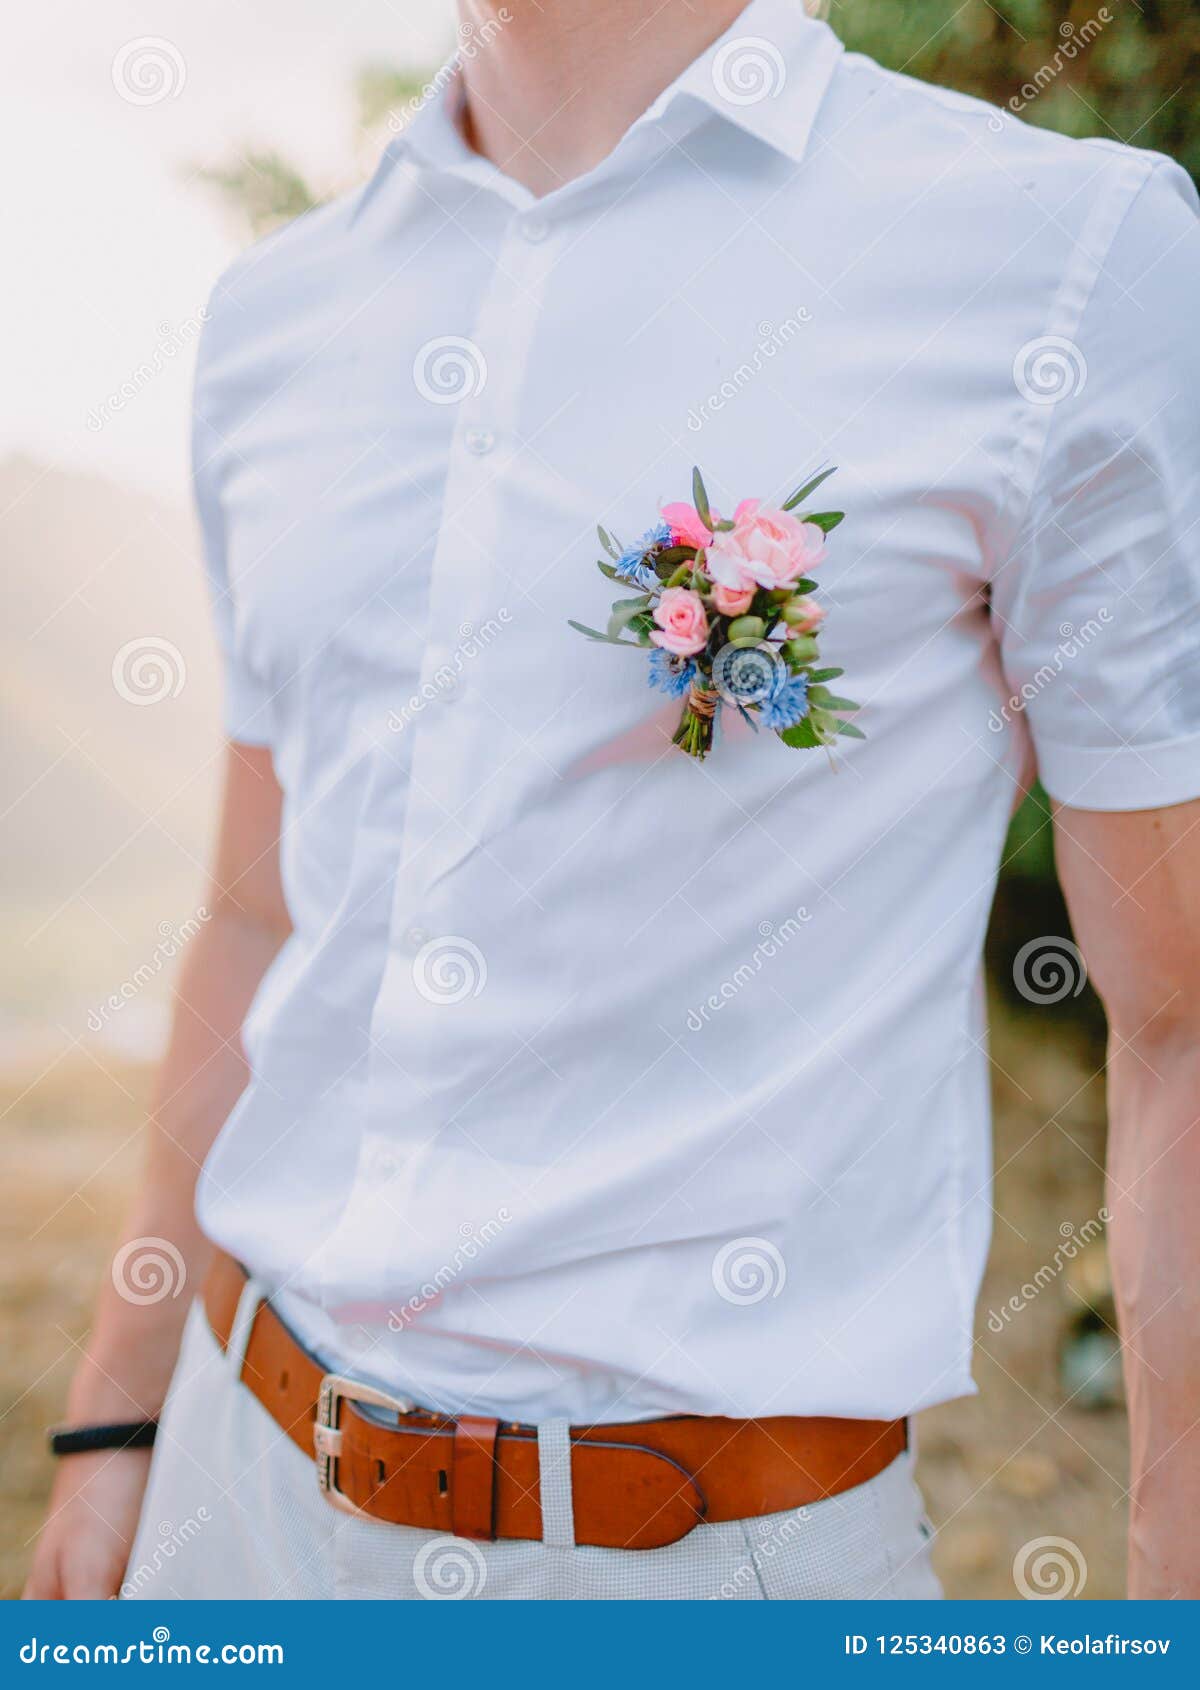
x=232, y=1510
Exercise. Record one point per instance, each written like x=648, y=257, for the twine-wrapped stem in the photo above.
x=703, y=701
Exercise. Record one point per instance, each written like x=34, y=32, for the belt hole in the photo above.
x=283, y=1380
x=380, y=1472
x=443, y=1485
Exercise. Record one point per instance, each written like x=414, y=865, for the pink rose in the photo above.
x=686, y=526
x=680, y=615
x=730, y=602
x=767, y=548
x=803, y=615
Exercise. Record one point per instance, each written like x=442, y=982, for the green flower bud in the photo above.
x=747, y=628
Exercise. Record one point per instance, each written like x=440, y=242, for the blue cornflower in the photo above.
x=787, y=702
x=671, y=674
x=631, y=564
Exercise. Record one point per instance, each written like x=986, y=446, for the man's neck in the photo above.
x=552, y=85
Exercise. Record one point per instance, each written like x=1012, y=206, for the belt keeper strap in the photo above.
x=473, y=1479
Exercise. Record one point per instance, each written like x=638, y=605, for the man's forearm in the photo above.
x=1154, y=1198
x=131, y=1352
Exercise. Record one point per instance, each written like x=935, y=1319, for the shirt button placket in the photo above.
x=444, y=817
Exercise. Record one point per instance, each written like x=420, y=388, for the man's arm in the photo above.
x=1132, y=883
x=132, y=1348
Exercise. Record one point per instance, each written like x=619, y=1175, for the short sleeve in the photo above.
x=247, y=703
x=1098, y=605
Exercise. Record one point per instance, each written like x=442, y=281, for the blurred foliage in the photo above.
x=262, y=187
x=1125, y=69
x=263, y=190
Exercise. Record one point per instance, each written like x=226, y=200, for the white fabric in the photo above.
x=599, y=1085
x=233, y=1510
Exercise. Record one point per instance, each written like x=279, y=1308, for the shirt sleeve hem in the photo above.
x=1123, y=777
x=247, y=713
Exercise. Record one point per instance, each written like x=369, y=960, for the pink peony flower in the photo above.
x=680, y=615
x=730, y=602
x=686, y=526
x=767, y=548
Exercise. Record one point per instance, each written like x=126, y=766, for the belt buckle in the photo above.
x=327, y=1433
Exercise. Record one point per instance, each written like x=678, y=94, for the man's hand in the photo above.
x=85, y=1543
x=133, y=1345
x=1132, y=882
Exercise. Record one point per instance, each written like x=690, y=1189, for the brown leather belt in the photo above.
x=636, y=1486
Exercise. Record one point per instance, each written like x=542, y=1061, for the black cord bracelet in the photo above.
x=83, y=1440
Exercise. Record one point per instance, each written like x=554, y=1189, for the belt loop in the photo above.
x=554, y=1483
x=473, y=1478
x=252, y=1295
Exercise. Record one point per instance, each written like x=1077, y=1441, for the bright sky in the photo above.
x=113, y=252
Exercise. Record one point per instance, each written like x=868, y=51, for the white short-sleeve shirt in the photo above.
x=594, y=1080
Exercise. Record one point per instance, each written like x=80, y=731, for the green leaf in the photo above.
x=826, y=674
x=801, y=737
x=700, y=498
x=850, y=731
x=595, y=634
x=830, y=701
x=624, y=611
x=805, y=584
x=826, y=521
x=609, y=544
x=672, y=556
x=808, y=487
x=607, y=569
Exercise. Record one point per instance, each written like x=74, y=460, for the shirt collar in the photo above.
x=767, y=75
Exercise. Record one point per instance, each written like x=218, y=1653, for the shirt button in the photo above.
x=415, y=938
x=535, y=229
x=480, y=441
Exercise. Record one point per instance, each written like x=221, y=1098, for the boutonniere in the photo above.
x=725, y=610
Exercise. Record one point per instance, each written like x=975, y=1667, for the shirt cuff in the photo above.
x=1122, y=777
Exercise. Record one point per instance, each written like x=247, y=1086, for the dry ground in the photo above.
x=1016, y=1463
